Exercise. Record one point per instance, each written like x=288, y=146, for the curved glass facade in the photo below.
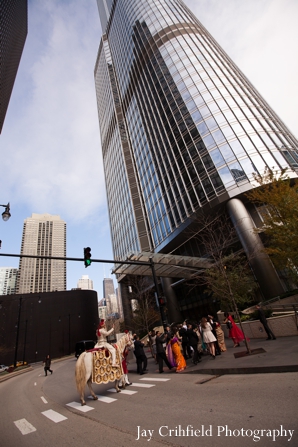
x=181, y=126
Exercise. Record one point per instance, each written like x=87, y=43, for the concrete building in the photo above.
x=85, y=283
x=14, y=28
x=102, y=312
x=43, y=235
x=112, y=304
x=183, y=131
x=8, y=280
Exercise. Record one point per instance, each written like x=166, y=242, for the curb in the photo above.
x=251, y=370
x=30, y=368
x=16, y=373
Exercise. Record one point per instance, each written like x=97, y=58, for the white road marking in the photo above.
x=107, y=400
x=129, y=392
x=155, y=379
x=53, y=416
x=79, y=407
x=24, y=426
x=44, y=400
x=142, y=385
x=35, y=383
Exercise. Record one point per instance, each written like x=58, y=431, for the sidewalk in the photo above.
x=271, y=356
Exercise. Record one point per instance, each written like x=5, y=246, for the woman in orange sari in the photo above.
x=179, y=359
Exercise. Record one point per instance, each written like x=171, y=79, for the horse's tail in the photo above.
x=80, y=373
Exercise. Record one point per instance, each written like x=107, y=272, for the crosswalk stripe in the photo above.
x=24, y=426
x=54, y=416
x=78, y=406
x=107, y=400
x=129, y=392
x=155, y=379
x=142, y=385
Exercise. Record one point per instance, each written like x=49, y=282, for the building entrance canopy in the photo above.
x=165, y=265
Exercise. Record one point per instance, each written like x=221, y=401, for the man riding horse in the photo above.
x=102, y=335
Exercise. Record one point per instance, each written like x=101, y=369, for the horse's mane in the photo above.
x=123, y=341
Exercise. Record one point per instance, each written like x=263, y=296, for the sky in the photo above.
x=50, y=147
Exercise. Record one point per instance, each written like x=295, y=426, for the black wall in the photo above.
x=52, y=326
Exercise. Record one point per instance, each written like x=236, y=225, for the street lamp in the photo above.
x=6, y=213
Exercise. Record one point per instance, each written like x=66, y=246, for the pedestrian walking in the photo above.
x=47, y=365
x=263, y=320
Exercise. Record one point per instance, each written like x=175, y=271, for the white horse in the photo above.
x=96, y=367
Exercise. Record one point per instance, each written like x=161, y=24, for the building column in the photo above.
x=172, y=304
x=260, y=262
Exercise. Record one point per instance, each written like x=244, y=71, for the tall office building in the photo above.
x=14, y=27
x=8, y=280
x=182, y=130
x=43, y=235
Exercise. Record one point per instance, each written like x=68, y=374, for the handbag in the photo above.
x=229, y=325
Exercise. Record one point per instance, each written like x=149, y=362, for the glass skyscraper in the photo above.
x=13, y=26
x=182, y=129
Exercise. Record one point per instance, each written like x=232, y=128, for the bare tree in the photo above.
x=230, y=278
x=145, y=312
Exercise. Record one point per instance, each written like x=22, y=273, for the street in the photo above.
x=169, y=409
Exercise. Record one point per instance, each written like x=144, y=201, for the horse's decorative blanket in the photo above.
x=102, y=370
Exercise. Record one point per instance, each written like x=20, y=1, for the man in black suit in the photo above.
x=160, y=351
x=185, y=342
x=140, y=355
x=263, y=320
x=193, y=341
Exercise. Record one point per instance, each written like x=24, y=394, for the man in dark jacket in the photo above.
x=140, y=356
x=160, y=352
x=264, y=322
x=193, y=341
x=185, y=342
x=47, y=365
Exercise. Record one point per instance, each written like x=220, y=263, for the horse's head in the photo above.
x=128, y=339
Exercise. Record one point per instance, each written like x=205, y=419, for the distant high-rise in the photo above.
x=108, y=287
x=43, y=235
x=112, y=304
x=183, y=131
x=85, y=283
x=13, y=28
x=8, y=280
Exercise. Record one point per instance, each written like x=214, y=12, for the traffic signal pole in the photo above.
x=105, y=261
x=65, y=258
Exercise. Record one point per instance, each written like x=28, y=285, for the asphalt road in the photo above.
x=227, y=411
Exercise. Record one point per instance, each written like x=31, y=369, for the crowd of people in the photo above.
x=176, y=344
x=180, y=342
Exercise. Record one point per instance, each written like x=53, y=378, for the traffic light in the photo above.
x=87, y=256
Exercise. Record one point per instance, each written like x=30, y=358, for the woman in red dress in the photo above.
x=234, y=332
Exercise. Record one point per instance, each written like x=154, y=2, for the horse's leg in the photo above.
x=116, y=386
x=91, y=389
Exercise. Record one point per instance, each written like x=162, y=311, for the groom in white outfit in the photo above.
x=102, y=335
